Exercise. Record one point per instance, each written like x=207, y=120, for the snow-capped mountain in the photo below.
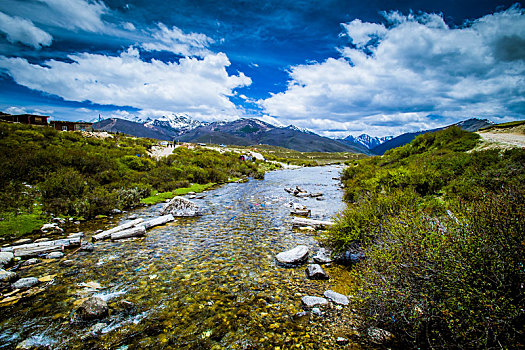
x=179, y=123
x=293, y=127
x=367, y=140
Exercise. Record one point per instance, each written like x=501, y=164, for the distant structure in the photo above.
x=42, y=120
x=30, y=119
x=71, y=126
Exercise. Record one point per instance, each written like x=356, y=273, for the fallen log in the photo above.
x=301, y=194
x=318, y=194
x=36, y=251
x=300, y=212
x=66, y=242
x=289, y=190
x=161, y=220
x=108, y=233
x=317, y=224
x=137, y=231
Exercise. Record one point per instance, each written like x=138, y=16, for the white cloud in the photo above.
x=24, y=31
x=198, y=87
x=176, y=41
x=416, y=66
x=77, y=14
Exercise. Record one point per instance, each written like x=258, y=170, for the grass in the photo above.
x=18, y=225
x=504, y=125
x=160, y=197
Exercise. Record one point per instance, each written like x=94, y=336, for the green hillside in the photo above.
x=442, y=230
x=45, y=172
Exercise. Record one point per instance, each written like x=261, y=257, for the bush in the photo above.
x=451, y=281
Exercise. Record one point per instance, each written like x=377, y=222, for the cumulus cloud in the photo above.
x=412, y=67
x=23, y=31
x=198, y=87
x=176, y=41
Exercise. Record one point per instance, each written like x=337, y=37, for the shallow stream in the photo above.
x=209, y=282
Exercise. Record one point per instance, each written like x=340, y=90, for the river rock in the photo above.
x=293, y=256
x=379, y=336
x=87, y=247
x=32, y=261
x=67, y=263
x=22, y=241
x=25, y=283
x=40, y=240
x=337, y=297
x=180, y=206
x=76, y=234
x=92, y=308
x=310, y=301
x=94, y=331
x=317, y=311
x=322, y=256
x=341, y=341
x=51, y=228
x=33, y=343
x=132, y=217
x=316, y=272
x=6, y=258
x=55, y=255
x=7, y=276
x=350, y=257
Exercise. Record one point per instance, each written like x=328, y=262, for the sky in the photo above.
x=336, y=67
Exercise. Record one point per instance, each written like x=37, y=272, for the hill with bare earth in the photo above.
x=504, y=136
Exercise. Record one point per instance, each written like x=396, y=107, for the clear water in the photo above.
x=209, y=282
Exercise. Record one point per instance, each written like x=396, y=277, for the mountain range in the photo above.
x=243, y=132
x=250, y=131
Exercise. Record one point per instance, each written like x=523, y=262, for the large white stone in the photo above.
x=311, y=301
x=337, y=297
x=293, y=256
x=180, y=206
x=5, y=258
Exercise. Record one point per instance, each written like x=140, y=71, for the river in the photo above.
x=209, y=282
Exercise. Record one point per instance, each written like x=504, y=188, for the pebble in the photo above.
x=316, y=311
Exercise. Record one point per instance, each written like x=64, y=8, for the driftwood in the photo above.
x=317, y=224
x=318, y=194
x=300, y=212
x=36, y=251
x=74, y=241
x=289, y=190
x=108, y=233
x=161, y=220
x=137, y=231
x=301, y=194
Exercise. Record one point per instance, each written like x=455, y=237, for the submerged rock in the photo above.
x=316, y=272
x=55, y=255
x=350, y=257
x=322, y=256
x=87, y=247
x=311, y=301
x=180, y=206
x=337, y=297
x=32, y=261
x=94, y=331
x=379, y=336
x=293, y=256
x=92, y=308
x=7, y=276
x=25, y=283
x=6, y=258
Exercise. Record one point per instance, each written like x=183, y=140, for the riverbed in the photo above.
x=209, y=282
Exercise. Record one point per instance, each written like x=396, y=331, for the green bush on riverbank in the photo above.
x=443, y=233
x=73, y=174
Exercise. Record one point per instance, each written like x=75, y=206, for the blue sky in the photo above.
x=335, y=67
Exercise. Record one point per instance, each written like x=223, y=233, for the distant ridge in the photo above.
x=368, y=141
x=243, y=132
x=472, y=124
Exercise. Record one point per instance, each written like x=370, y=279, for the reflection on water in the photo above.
x=200, y=283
